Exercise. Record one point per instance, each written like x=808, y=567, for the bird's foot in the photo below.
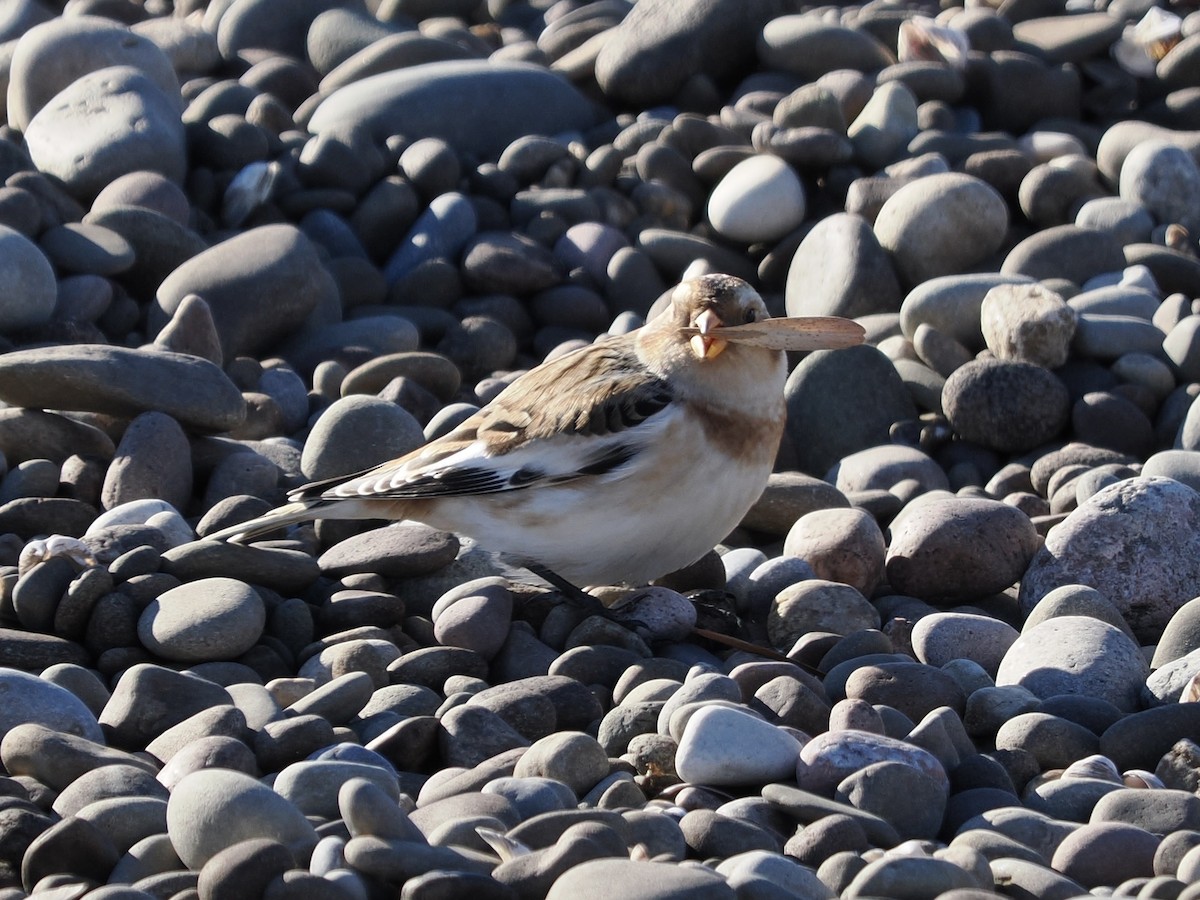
x=578, y=598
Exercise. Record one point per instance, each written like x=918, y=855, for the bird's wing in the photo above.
x=584, y=414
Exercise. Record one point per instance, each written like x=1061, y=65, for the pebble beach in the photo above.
x=250, y=244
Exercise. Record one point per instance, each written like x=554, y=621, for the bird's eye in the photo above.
x=750, y=315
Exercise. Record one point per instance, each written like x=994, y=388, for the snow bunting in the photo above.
x=618, y=462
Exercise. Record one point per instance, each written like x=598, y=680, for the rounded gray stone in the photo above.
x=722, y=746
x=1006, y=406
x=1145, y=561
x=941, y=225
x=940, y=638
x=840, y=402
x=260, y=286
x=475, y=106
x=54, y=54
x=29, y=699
x=213, y=809
x=122, y=382
x=1076, y=655
x=153, y=460
x=358, y=432
x=208, y=619
x=1164, y=179
x=27, y=287
x=760, y=199
x=659, y=46
x=106, y=124
x=958, y=549
x=839, y=269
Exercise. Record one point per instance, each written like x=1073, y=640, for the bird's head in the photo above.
x=710, y=303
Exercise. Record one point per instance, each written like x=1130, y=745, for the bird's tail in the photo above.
x=281, y=517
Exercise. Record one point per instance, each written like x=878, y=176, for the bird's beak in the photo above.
x=705, y=345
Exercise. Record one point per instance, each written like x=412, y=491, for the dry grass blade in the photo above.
x=796, y=333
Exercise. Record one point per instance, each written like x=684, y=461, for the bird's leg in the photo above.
x=579, y=598
x=576, y=596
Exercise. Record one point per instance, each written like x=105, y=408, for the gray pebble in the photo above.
x=941, y=225
x=213, y=809
x=1006, y=406
x=105, y=124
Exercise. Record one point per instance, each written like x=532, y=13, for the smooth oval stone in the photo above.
x=373, y=336
x=28, y=699
x=392, y=51
x=726, y=747
x=148, y=190
x=355, y=433
x=1141, y=739
x=275, y=25
x=153, y=460
x=1053, y=741
x=941, y=225
x=314, y=785
x=259, y=286
x=827, y=383
x=1143, y=561
x=1065, y=251
x=33, y=434
x=148, y=699
x=475, y=106
x=1182, y=346
x=1181, y=636
x=54, y=54
x=940, y=638
x=787, y=497
x=1068, y=38
x=432, y=371
x=651, y=54
x=912, y=688
x=899, y=794
x=89, y=849
x=1006, y=406
x=810, y=47
x=400, y=551
x=839, y=269
x=208, y=619
x=27, y=285
x=818, y=605
x=1106, y=853
x=1128, y=221
x=122, y=382
x=884, y=467
x=106, y=124
x=599, y=878
x=954, y=550
x=829, y=758
x=88, y=249
x=1076, y=655
x=107, y=782
x=573, y=758
x=760, y=199
x=881, y=132
x=213, y=809
x=438, y=232
x=1165, y=180
x=474, y=617
x=1162, y=811
x=931, y=877
x=843, y=545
